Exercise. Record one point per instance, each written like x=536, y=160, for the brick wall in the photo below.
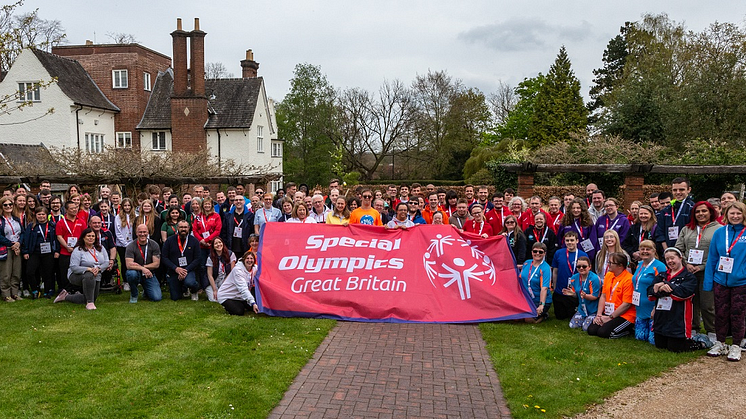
x=187, y=128
x=100, y=60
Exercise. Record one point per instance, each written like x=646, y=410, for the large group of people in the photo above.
x=663, y=271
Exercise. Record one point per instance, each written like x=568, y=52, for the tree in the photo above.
x=122, y=38
x=610, y=75
x=307, y=121
x=502, y=102
x=373, y=127
x=217, y=71
x=23, y=31
x=468, y=117
x=559, y=109
x=518, y=122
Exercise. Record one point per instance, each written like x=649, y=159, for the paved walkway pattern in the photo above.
x=392, y=370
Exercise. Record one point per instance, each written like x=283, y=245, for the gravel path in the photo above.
x=704, y=388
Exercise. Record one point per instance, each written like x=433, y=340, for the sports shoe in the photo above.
x=133, y=300
x=126, y=286
x=90, y=306
x=61, y=296
x=734, y=354
x=195, y=296
x=9, y=299
x=719, y=348
x=186, y=294
x=743, y=344
x=26, y=294
x=17, y=297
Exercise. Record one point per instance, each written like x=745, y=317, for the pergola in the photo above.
x=634, y=174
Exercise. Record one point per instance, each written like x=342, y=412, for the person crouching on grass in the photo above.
x=586, y=286
x=672, y=292
x=537, y=276
x=234, y=294
x=616, y=313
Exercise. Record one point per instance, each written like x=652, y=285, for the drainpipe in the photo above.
x=219, y=159
x=77, y=124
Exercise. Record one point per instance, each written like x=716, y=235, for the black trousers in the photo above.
x=565, y=306
x=675, y=344
x=237, y=307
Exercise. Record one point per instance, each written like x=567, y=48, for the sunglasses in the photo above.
x=582, y=266
x=367, y=196
x=510, y=222
x=537, y=252
x=7, y=205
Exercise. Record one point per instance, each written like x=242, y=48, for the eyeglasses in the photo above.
x=582, y=266
x=537, y=252
x=7, y=205
x=509, y=222
x=367, y=196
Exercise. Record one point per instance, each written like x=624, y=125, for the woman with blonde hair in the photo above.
x=340, y=215
x=124, y=227
x=151, y=219
x=611, y=245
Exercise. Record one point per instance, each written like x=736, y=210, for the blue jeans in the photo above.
x=176, y=287
x=150, y=286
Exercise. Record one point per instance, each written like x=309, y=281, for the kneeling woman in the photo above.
x=537, y=276
x=672, y=292
x=234, y=294
x=87, y=261
x=616, y=314
x=586, y=286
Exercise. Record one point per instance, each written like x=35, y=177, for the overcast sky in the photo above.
x=359, y=44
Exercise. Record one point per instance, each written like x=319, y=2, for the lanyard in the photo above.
x=460, y=223
x=235, y=220
x=557, y=220
x=46, y=231
x=642, y=235
x=580, y=230
x=481, y=226
x=545, y=230
x=615, y=221
x=727, y=252
x=202, y=220
x=144, y=254
x=673, y=211
x=173, y=228
x=266, y=220
x=9, y=223
x=640, y=272
x=611, y=298
x=699, y=236
x=181, y=247
x=530, y=275
x=64, y=220
x=93, y=253
x=571, y=267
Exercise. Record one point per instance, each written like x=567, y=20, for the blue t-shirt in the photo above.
x=591, y=286
x=565, y=270
x=641, y=280
x=535, y=278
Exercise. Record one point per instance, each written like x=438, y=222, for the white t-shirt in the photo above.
x=221, y=269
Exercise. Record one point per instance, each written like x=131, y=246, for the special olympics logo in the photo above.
x=457, y=261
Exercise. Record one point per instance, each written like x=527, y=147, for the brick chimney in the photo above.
x=180, y=60
x=197, y=60
x=249, y=67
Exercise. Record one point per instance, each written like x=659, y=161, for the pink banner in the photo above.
x=365, y=273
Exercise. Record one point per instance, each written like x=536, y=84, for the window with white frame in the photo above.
x=29, y=92
x=259, y=139
x=120, y=79
x=275, y=185
x=276, y=149
x=94, y=143
x=159, y=140
x=124, y=140
x=146, y=80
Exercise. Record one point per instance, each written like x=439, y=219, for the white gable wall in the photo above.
x=58, y=129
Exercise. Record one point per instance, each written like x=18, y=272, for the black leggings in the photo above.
x=614, y=328
x=675, y=344
x=237, y=307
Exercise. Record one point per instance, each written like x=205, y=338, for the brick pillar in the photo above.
x=526, y=185
x=633, y=191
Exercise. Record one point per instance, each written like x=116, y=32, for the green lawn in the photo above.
x=550, y=371
x=167, y=359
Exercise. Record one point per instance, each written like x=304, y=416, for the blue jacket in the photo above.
x=666, y=218
x=229, y=224
x=170, y=254
x=33, y=237
x=718, y=249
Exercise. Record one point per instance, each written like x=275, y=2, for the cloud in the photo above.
x=524, y=34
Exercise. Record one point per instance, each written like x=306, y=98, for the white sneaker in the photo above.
x=743, y=344
x=126, y=286
x=27, y=294
x=734, y=354
x=195, y=296
x=713, y=337
x=719, y=348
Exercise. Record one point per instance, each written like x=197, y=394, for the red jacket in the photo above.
x=210, y=225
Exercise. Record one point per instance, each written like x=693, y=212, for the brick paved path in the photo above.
x=386, y=370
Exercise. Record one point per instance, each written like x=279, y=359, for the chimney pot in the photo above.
x=196, y=23
x=178, y=24
x=249, y=54
x=88, y=42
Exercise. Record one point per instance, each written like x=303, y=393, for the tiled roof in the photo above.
x=18, y=154
x=158, y=112
x=233, y=102
x=74, y=81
